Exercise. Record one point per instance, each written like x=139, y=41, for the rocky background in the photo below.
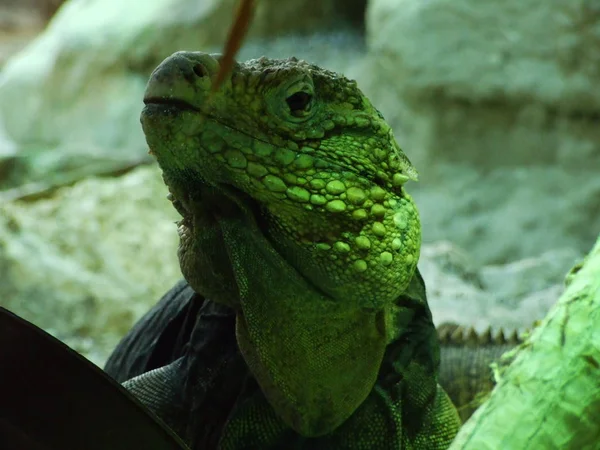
x=497, y=104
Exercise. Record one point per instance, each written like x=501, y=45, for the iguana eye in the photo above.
x=300, y=103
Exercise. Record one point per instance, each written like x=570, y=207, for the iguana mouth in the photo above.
x=174, y=103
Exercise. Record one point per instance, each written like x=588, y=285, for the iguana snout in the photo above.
x=183, y=80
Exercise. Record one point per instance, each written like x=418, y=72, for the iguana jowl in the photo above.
x=296, y=222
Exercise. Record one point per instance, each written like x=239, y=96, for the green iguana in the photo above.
x=297, y=227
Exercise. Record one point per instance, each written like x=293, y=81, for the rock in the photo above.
x=492, y=83
x=510, y=214
x=497, y=106
x=72, y=98
x=511, y=296
x=453, y=300
x=452, y=260
x=515, y=281
x=88, y=261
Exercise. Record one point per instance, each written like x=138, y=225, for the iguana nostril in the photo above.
x=200, y=70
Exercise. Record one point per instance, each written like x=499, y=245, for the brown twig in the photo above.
x=236, y=36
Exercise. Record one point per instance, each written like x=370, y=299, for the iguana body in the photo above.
x=465, y=372
x=297, y=227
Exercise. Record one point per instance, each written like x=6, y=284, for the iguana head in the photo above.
x=291, y=188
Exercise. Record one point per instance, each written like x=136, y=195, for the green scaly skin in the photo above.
x=291, y=188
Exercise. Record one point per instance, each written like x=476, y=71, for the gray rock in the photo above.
x=511, y=296
x=515, y=281
x=88, y=261
x=496, y=104
x=452, y=260
x=493, y=83
x=509, y=214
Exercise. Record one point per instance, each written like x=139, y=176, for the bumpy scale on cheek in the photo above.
x=362, y=243
x=349, y=236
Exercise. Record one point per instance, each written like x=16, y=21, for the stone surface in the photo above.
x=87, y=262
x=508, y=214
x=493, y=83
x=514, y=282
x=510, y=296
x=497, y=106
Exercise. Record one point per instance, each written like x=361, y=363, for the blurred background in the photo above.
x=496, y=103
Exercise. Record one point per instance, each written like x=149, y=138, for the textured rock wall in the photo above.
x=497, y=105
x=88, y=261
x=492, y=83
